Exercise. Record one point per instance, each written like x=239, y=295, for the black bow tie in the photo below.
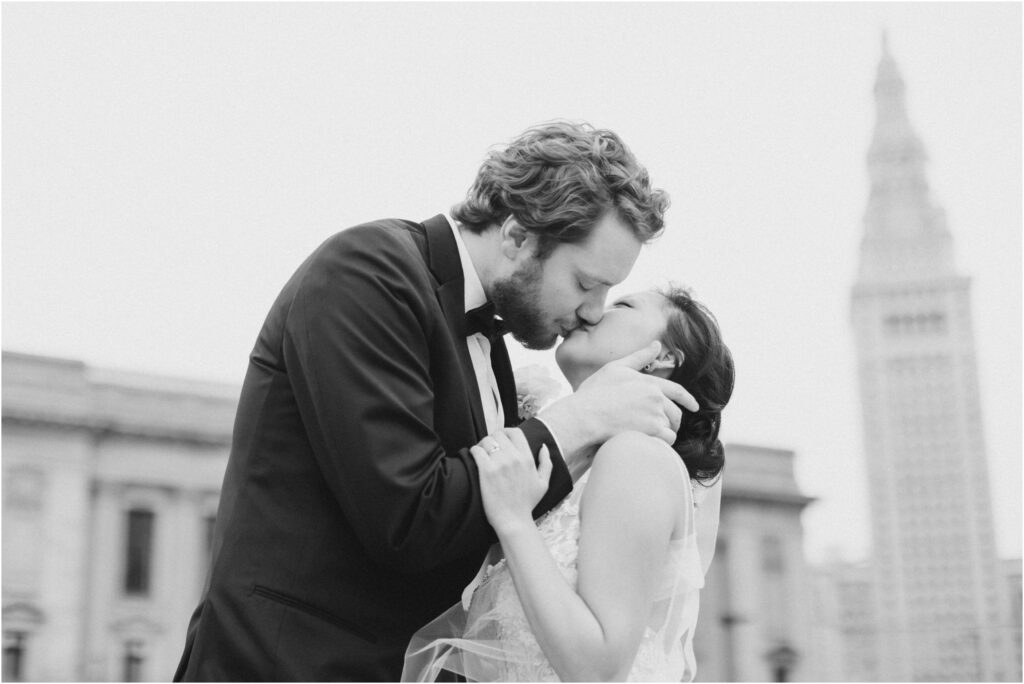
x=482, y=320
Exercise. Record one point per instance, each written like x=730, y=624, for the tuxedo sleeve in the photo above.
x=538, y=435
x=357, y=347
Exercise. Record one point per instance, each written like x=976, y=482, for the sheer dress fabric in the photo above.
x=492, y=640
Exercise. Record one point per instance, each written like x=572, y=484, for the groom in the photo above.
x=350, y=513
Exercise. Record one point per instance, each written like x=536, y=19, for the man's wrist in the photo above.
x=568, y=426
x=553, y=435
x=539, y=437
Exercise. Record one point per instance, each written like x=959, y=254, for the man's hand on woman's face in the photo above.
x=618, y=398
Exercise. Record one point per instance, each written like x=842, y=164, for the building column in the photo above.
x=105, y=573
x=744, y=574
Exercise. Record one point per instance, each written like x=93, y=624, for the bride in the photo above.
x=606, y=585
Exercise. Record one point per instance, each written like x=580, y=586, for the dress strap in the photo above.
x=689, y=487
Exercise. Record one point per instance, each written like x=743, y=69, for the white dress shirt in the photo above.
x=479, y=346
x=480, y=354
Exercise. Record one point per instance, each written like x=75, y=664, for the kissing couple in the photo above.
x=385, y=513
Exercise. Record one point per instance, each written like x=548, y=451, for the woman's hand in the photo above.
x=510, y=482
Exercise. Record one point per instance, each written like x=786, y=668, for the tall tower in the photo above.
x=938, y=602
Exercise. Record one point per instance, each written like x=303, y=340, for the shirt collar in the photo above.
x=474, y=289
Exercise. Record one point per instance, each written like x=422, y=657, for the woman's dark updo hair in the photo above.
x=707, y=373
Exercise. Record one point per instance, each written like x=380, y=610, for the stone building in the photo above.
x=756, y=609
x=938, y=601
x=1010, y=569
x=110, y=487
x=110, y=484
x=845, y=618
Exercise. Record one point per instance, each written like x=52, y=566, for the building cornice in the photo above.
x=749, y=495
x=68, y=396
x=911, y=286
x=100, y=430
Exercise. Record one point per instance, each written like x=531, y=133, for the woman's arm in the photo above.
x=631, y=503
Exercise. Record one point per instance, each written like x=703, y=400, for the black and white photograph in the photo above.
x=511, y=341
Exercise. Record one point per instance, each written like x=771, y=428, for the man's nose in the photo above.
x=591, y=312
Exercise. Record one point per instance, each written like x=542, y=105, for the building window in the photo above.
x=14, y=656
x=782, y=660
x=206, y=555
x=138, y=552
x=208, y=524
x=933, y=322
x=24, y=489
x=133, y=661
x=771, y=555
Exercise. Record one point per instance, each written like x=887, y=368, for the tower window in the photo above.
x=930, y=323
x=892, y=325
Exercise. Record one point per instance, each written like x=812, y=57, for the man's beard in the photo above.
x=517, y=300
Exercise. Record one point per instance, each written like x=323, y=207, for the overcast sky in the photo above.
x=167, y=166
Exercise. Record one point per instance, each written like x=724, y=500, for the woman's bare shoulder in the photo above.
x=633, y=459
x=635, y=488
x=637, y=451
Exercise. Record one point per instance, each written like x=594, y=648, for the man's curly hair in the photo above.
x=557, y=180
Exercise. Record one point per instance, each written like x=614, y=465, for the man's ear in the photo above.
x=515, y=238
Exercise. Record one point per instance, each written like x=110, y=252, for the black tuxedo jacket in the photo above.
x=350, y=513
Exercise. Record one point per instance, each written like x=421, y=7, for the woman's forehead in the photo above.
x=643, y=298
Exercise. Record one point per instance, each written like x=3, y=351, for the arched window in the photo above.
x=14, y=655
x=133, y=661
x=132, y=642
x=20, y=622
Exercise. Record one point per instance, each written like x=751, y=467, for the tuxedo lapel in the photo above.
x=443, y=261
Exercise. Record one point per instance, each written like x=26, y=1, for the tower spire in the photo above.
x=894, y=141
x=900, y=216
x=921, y=418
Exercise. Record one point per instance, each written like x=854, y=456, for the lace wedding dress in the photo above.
x=492, y=640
